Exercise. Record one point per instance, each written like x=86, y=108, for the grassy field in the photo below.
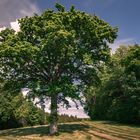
x=84, y=130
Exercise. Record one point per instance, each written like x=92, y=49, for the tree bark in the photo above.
x=53, y=116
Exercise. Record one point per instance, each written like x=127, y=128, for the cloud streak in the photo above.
x=117, y=43
x=10, y=10
x=74, y=112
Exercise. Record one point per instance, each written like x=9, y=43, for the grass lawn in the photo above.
x=84, y=130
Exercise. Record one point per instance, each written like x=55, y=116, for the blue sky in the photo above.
x=122, y=13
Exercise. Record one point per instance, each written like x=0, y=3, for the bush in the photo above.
x=17, y=112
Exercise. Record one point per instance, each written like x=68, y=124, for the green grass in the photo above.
x=84, y=130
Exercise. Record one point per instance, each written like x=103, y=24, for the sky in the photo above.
x=121, y=13
x=124, y=14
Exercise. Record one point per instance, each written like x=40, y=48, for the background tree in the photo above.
x=56, y=55
x=16, y=111
x=118, y=96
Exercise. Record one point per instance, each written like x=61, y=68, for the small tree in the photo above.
x=56, y=55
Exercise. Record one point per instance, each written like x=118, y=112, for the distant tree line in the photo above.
x=117, y=98
x=67, y=118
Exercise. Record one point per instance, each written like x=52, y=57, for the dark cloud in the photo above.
x=10, y=10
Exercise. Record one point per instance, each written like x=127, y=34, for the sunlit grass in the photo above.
x=85, y=130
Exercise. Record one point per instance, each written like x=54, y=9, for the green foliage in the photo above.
x=56, y=53
x=132, y=61
x=118, y=97
x=6, y=112
x=54, y=49
x=60, y=7
x=26, y=111
x=17, y=112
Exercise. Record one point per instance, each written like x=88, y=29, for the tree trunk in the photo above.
x=53, y=116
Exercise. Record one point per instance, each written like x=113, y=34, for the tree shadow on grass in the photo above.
x=43, y=130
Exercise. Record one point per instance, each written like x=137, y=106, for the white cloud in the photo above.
x=61, y=110
x=71, y=111
x=15, y=26
x=74, y=111
x=10, y=10
x=33, y=8
x=3, y=28
x=117, y=43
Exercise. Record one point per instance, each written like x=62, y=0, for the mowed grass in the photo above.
x=84, y=130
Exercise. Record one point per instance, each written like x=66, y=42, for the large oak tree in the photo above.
x=56, y=55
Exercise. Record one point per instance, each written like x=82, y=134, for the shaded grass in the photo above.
x=86, y=130
x=44, y=130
